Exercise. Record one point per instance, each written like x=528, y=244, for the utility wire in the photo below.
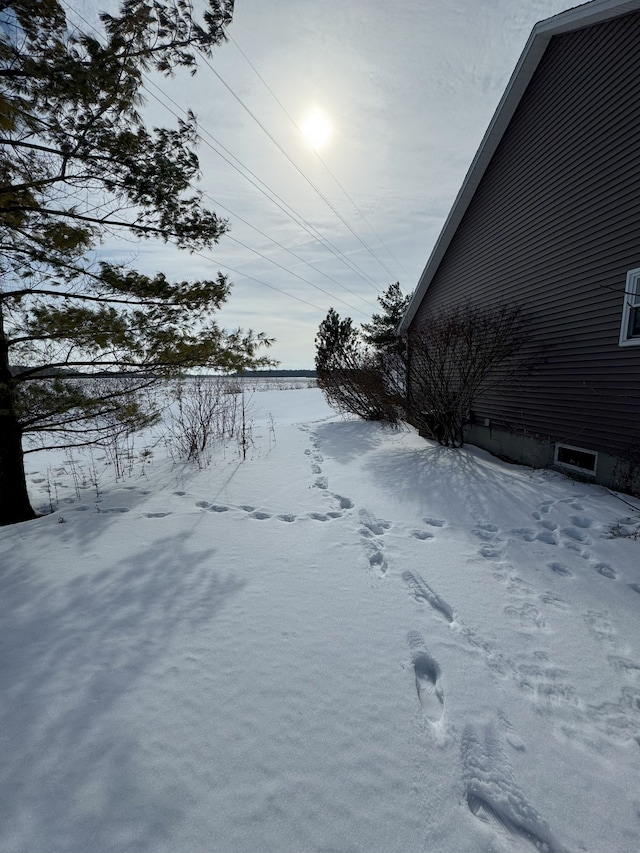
x=291, y=213
x=320, y=158
x=317, y=287
x=258, y=281
x=298, y=169
x=232, y=269
x=263, y=188
x=271, y=260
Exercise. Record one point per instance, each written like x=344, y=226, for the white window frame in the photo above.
x=631, y=303
x=590, y=472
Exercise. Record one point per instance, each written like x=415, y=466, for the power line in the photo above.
x=258, y=281
x=317, y=287
x=284, y=248
x=270, y=194
x=324, y=163
x=291, y=213
x=297, y=168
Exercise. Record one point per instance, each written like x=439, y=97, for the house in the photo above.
x=548, y=218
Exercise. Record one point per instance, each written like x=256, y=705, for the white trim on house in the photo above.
x=573, y=19
x=565, y=452
x=630, y=309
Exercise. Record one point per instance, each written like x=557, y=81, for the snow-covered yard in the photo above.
x=353, y=641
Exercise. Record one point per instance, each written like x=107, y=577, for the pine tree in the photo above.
x=380, y=333
x=361, y=374
x=78, y=163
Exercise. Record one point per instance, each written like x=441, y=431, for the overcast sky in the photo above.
x=408, y=88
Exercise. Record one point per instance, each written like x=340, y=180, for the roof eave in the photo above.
x=572, y=19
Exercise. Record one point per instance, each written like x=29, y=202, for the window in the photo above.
x=630, y=328
x=576, y=458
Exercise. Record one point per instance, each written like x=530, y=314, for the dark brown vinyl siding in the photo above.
x=554, y=226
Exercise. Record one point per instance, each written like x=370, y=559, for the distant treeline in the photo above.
x=62, y=373
x=266, y=374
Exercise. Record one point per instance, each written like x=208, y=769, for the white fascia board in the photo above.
x=573, y=19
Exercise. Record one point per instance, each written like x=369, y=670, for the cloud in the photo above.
x=410, y=89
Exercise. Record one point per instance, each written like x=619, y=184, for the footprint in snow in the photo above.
x=575, y=547
x=494, y=797
x=635, y=587
x=576, y=534
x=287, y=517
x=600, y=627
x=421, y=591
x=435, y=522
x=525, y=533
x=345, y=503
x=560, y=569
x=606, y=570
x=547, y=683
x=427, y=675
x=321, y=483
x=180, y=494
x=318, y=516
x=518, y=586
x=491, y=552
x=554, y=600
x=421, y=534
x=316, y=469
x=260, y=515
x=527, y=615
x=377, y=526
x=377, y=561
x=512, y=737
x=218, y=508
x=627, y=667
x=547, y=536
x=155, y=514
x=486, y=532
x=103, y=509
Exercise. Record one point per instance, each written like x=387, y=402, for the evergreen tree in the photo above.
x=78, y=163
x=354, y=377
x=380, y=333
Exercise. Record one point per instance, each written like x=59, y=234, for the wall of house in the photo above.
x=554, y=226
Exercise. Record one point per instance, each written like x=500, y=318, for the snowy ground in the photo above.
x=353, y=641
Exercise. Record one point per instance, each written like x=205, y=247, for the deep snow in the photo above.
x=353, y=641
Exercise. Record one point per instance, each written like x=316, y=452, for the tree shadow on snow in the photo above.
x=465, y=479
x=72, y=773
x=347, y=440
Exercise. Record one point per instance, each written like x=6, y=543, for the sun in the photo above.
x=317, y=129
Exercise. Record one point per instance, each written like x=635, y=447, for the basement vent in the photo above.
x=576, y=458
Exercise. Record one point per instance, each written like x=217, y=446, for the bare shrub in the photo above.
x=353, y=377
x=626, y=476
x=204, y=408
x=205, y=412
x=629, y=528
x=453, y=355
